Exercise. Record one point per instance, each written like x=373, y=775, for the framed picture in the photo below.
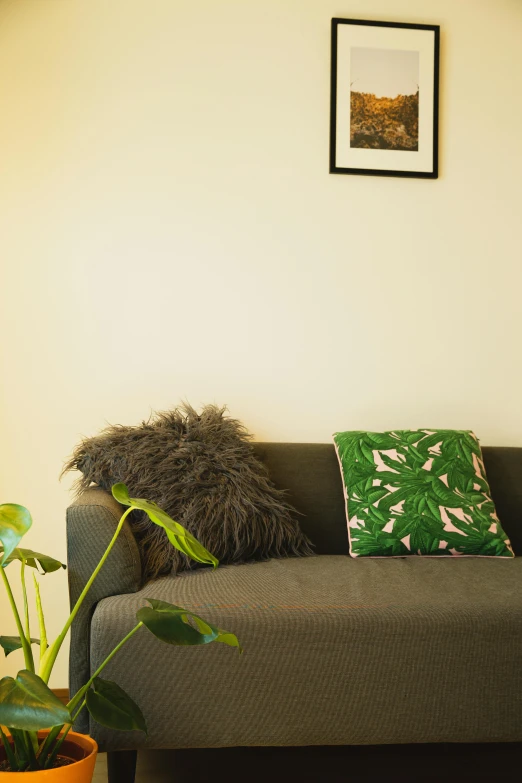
x=384, y=99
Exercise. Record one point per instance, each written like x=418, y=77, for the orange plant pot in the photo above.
x=79, y=747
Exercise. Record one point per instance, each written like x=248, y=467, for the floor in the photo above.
x=100, y=773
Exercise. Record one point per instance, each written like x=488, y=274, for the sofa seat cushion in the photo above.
x=336, y=651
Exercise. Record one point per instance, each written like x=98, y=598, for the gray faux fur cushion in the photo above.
x=200, y=468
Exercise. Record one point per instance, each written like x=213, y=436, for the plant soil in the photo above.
x=61, y=761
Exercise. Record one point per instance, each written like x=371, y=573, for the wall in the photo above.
x=169, y=230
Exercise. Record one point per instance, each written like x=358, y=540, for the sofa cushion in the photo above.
x=201, y=469
x=418, y=492
x=336, y=651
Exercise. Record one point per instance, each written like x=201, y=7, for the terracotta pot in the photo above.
x=79, y=747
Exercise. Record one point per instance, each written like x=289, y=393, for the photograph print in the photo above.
x=384, y=101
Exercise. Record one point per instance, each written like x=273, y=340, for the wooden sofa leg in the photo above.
x=121, y=765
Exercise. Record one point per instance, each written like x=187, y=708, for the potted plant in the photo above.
x=35, y=727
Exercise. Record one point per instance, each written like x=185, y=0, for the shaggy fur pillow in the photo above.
x=202, y=471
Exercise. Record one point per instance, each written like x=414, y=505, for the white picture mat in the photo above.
x=423, y=41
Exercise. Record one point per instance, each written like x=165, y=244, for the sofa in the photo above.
x=337, y=651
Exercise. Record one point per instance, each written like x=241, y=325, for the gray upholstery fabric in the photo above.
x=504, y=472
x=91, y=522
x=311, y=475
x=310, y=472
x=337, y=651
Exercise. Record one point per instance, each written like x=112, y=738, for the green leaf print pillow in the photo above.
x=418, y=492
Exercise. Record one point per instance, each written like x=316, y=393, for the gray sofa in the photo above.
x=337, y=651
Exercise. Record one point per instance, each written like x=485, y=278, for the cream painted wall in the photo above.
x=169, y=230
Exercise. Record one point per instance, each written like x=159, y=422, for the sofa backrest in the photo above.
x=310, y=472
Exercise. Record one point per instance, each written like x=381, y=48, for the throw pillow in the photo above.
x=418, y=492
x=200, y=468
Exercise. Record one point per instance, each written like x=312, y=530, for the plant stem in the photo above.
x=33, y=736
x=53, y=734
x=9, y=752
x=46, y=744
x=41, y=620
x=50, y=761
x=33, y=763
x=26, y=605
x=20, y=749
x=49, y=658
x=80, y=708
x=81, y=693
x=76, y=699
x=60, y=742
x=26, y=645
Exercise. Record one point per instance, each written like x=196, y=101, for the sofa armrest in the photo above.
x=91, y=522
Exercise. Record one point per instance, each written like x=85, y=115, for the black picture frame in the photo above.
x=429, y=159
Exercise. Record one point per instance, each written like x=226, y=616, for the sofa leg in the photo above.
x=121, y=765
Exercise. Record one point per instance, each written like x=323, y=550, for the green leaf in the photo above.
x=230, y=639
x=11, y=643
x=382, y=440
x=9, y=752
x=15, y=521
x=34, y=559
x=113, y=708
x=467, y=528
x=171, y=624
x=121, y=494
x=178, y=536
x=27, y=703
x=445, y=496
x=393, y=499
x=413, y=436
x=368, y=453
x=465, y=452
x=434, y=508
x=395, y=466
x=377, y=515
x=376, y=494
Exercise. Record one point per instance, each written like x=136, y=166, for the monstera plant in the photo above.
x=27, y=705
